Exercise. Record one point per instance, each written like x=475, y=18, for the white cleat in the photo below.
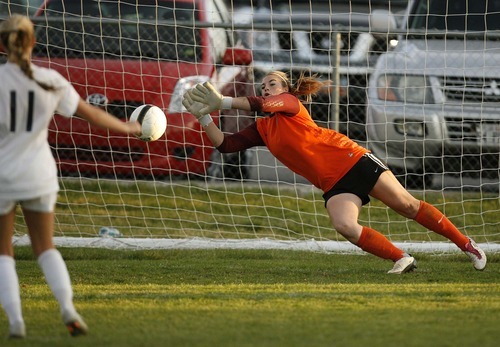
x=403, y=265
x=17, y=330
x=476, y=255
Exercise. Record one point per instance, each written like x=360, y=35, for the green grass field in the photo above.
x=257, y=297
x=262, y=298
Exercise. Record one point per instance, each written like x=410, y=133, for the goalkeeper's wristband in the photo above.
x=227, y=103
x=205, y=120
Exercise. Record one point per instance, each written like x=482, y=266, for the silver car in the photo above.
x=433, y=103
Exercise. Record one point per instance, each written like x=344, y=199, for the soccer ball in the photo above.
x=152, y=120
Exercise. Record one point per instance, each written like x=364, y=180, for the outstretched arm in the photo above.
x=214, y=134
x=246, y=138
x=198, y=110
x=213, y=100
x=100, y=118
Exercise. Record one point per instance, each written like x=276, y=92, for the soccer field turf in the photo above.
x=262, y=298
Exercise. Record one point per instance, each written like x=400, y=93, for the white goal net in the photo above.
x=420, y=88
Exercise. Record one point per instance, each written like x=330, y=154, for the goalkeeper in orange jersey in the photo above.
x=346, y=172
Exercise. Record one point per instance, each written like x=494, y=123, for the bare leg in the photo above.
x=41, y=229
x=392, y=193
x=6, y=233
x=343, y=210
x=10, y=296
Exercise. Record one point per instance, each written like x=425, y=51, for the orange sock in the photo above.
x=433, y=219
x=373, y=242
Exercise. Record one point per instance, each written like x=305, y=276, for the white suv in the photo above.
x=433, y=101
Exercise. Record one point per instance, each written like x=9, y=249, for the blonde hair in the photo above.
x=17, y=34
x=304, y=88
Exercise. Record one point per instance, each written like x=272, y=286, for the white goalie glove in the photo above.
x=203, y=100
x=196, y=108
x=210, y=97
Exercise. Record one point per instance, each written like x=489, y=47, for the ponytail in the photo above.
x=304, y=88
x=17, y=34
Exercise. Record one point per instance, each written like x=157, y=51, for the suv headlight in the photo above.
x=405, y=88
x=182, y=86
x=410, y=128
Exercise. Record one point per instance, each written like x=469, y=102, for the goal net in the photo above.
x=435, y=125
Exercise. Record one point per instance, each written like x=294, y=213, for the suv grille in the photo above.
x=98, y=154
x=322, y=42
x=467, y=130
x=470, y=89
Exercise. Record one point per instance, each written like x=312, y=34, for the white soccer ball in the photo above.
x=152, y=120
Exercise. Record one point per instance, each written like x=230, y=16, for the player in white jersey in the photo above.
x=29, y=97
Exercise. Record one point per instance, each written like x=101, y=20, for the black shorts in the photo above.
x=360, y=179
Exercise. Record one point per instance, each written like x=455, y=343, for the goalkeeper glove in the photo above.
x=195, y=108
x=213, y=100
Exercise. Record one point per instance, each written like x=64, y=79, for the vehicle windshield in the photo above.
x=118, y=30
x=456, y=15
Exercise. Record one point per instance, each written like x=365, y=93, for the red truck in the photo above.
x=122, y=54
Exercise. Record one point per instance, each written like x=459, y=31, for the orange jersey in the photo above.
x=322, y=156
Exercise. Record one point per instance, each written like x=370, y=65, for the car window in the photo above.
x=124, y=9
x=118, y=30
x=25, y=7
x=457, y=15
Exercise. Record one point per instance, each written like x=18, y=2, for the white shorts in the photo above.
x=44, y=203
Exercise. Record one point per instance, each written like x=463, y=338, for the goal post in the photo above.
x=248, y=200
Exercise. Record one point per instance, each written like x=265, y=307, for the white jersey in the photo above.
x=27, y=167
